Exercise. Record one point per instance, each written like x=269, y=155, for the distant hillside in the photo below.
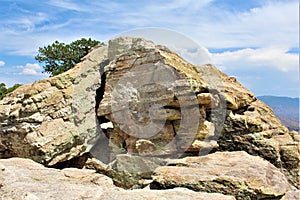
x=286, y=108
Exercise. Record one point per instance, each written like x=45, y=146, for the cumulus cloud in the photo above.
x=265, y=71
x=30, y=69
x=277, y=58
x=2, y=63
x=199, y=56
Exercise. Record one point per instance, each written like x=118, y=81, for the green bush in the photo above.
x=4, y=90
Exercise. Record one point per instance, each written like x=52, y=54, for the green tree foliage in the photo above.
x=4, y=90
x=60, y=57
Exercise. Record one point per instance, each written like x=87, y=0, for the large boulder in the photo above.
x=233, y=173
x=160, y=105
x=155, y=99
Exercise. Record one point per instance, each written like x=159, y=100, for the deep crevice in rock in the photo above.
x=77, y=162
x=101, y=149
x=100, y=91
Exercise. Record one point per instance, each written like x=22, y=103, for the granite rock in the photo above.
x=232, y=173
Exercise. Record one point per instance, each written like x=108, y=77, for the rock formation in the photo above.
x=23, y=179
x=140, y=114
x=41, y=120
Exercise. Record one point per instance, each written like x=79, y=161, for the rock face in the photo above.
x=23, y=179
x=130, y=108
x=52, y=120
x=151, y=102
x=153, y=95
x=252, y=126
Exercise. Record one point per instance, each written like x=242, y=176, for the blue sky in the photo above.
x=255, y=40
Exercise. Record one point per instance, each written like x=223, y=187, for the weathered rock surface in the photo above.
x=158, y=107
x=52, y=120
x=23, y=179
x=151, y=98
x=252, y=126
x=291, y=195
x=233, y=173
x=256, y=130
x=173, y=194
x=197, y=109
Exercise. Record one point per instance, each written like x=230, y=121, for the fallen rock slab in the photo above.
x=232, y=173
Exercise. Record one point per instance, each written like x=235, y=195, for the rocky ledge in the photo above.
x=136, y=115
x=25, y=179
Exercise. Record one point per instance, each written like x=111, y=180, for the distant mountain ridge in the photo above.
x=286, y=108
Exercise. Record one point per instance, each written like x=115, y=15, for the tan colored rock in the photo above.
x=258, y=131
x=209, y=100
x=205, y=130
x=124, y=45
x=252, y=126
x=23, y=179
x=145, y=147
x=232, y=173
x=147, y=93
x=246, y=123
x=48, y=120
x=173, y=194
x=236, y=95
x=148, y=89
x=291, y=195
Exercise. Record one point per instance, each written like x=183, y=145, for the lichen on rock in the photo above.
x=44, y=121
x=142, y=115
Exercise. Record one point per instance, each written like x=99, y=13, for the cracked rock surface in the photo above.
x=23, y=179
x=140, y=114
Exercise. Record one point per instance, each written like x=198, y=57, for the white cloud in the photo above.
x=68, y=5
x=30, y=69
x=277, y=58
x=186, y=5
x=265, y=71
x=2, y=63
x=199, y=56
x=25, y=23
x=272, y=24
